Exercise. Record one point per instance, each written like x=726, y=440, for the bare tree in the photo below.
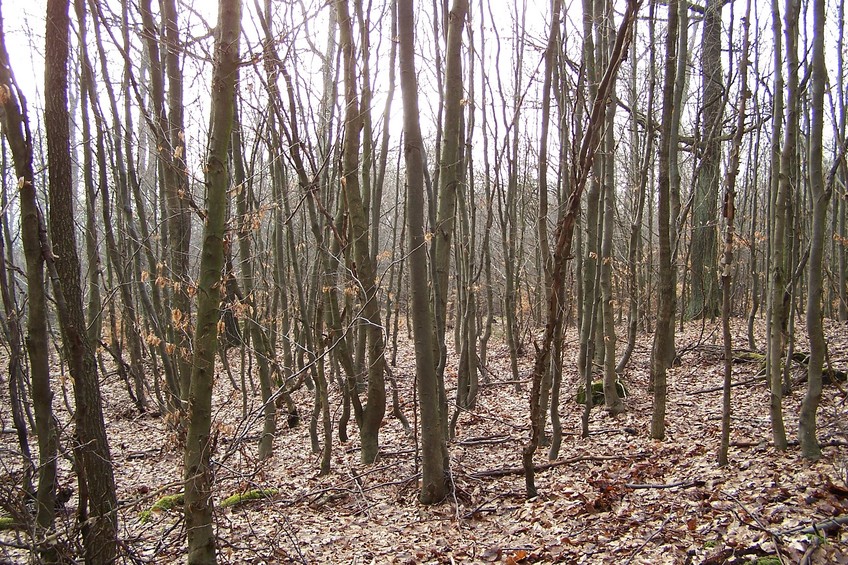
x=199, y=442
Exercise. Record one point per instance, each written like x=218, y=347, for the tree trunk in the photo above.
x=807, y=419
x=564, y=238
x=450, y=170
x=16, y=130
x=365, y=273
x=729, y=214
x=433, y=484
x=94, y=467
x=665, y=311
x=703, y=299
x=198, y=472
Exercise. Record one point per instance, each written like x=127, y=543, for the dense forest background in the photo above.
x=332, y=215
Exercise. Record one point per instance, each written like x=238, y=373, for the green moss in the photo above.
x=164, y=504
x=710, y=544
x=247, y=496
x=598, y=392
x=7, y=523
x=770, y=560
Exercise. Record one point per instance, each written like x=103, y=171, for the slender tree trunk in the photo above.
x=729, y=214
x=564, y=238
x=433, y=484
x=665, y=310
x=376, y=406
x=17, y=133
x=198, y=472
x=818, y=346
x=450, y=170
x=612, y=401
x=779, y=279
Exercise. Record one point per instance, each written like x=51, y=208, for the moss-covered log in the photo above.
x=248, y=496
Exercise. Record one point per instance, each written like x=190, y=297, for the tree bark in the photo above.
x=17, y=132
x=665, y=311
x=375, y=408
x=703, y=300
x=199, y=442
x=94, y=465
x=820, y=196
x=433, y=485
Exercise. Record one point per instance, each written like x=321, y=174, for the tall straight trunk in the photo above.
x=433, y=484
x=640, y=166
x=729, y=214
x=375, y=408
x=612, y=401
x=17, y=133
x=780, y=296
x=703, y=298
x=450, y=170
x=842, y=208
x=178, y=191
x=261, y=341
x=591, y=252
x=807, y=419
x=665, y=309
x=198, y=473
x=94, y=463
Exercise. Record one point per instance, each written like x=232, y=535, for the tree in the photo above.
x=807, y=419
x=98, y=501
x=433, y=485
x=703, y=300
x=376, y=407
x=665, y=310
x=729, y=213
x=450, y=169
x=779, y=295
x=199, y=441
x=564, y=237
x=17, y=133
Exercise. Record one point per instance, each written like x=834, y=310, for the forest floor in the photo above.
x=614, y=497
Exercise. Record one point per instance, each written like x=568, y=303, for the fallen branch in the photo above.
x=679, y=484
x=818, y=527
x=484, y=440
x=720, y=388
x=648, y=540
x=505, y=471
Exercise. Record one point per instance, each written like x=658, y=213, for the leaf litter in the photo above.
x=616, y=496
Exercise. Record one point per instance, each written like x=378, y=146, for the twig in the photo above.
x=504, y=471
x=818, y=527
x=484, y=440
x=759, y=525
x=807, y=559
x=479, y=508
x=684, y=484
x=647, y=541
x=720, y=388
